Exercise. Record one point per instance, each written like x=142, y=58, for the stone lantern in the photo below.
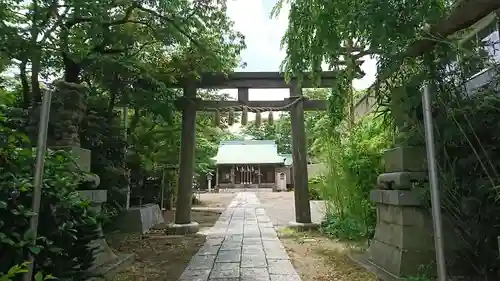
x=209, y=179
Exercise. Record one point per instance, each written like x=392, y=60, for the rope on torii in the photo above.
x=244, y=109
x=258, y=110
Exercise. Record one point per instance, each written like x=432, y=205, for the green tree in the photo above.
x=321, y=32
x=129, y=54
x=279, y=131
x=340, y=32
x=128, y=45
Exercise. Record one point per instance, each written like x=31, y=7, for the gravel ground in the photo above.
x=280, y=207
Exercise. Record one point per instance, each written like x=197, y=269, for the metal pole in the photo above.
x=41, y=147
x=434, y=184
x=125, y=134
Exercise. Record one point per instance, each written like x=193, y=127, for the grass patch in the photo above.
x=319, y=258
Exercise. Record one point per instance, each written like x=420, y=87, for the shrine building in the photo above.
x=252, y=164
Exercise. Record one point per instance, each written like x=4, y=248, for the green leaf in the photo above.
x=49, y=277
x=29, y=213
x=8, y=241
x=35, y=250
x=39, y=276
x=13, y=270
x=17, y=269
x=3, y=205
x=56, y=250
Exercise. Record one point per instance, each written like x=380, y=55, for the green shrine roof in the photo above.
x=248, y=152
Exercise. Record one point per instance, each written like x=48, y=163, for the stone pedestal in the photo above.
x=68, y=107
x=404, y=234
x=140, y=219
x=80, y=155
x=403, y=238
x=103, y=253
x=106, y=262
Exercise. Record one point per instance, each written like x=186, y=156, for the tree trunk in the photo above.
x=35, y=84
x=71, y=70
x=134, y=121
x=27, y=97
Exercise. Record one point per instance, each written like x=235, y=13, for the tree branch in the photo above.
x=463, y=15
x=58, y=22
x=173, y=23
x=69, y=24
x=52, y=8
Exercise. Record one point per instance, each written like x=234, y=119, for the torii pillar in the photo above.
x=183, y=223
x=299, y=153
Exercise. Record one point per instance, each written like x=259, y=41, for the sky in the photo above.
x=263, y=38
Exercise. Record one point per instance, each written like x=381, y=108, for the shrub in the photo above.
x=344, y=228
x=354, y=161
x=102, y=133
x=316, y=188
x=15, y=271
x=66, y=225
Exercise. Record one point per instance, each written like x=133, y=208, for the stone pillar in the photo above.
x=233, y=176
x=259, y=177
x=102, y=252
x=299, y=148
x=68, y=108
x=403, y=238
x=183, y=223
x=217, y=177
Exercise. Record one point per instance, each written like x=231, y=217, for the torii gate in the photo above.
x=243, y=81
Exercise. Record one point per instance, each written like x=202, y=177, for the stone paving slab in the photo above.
x=241, y=246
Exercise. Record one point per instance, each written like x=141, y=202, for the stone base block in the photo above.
x=303, y=226
x=403, y=216
x=140, y=219
x=182, y=229
x=397, y=261
x=81, y=155
x=408, y=158
x=400, y=180
x=396, y=197
x=94, y=195
x=405, y=237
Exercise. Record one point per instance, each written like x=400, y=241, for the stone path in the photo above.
x=241, y=246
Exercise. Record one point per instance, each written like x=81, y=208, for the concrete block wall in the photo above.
x=364, y=106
